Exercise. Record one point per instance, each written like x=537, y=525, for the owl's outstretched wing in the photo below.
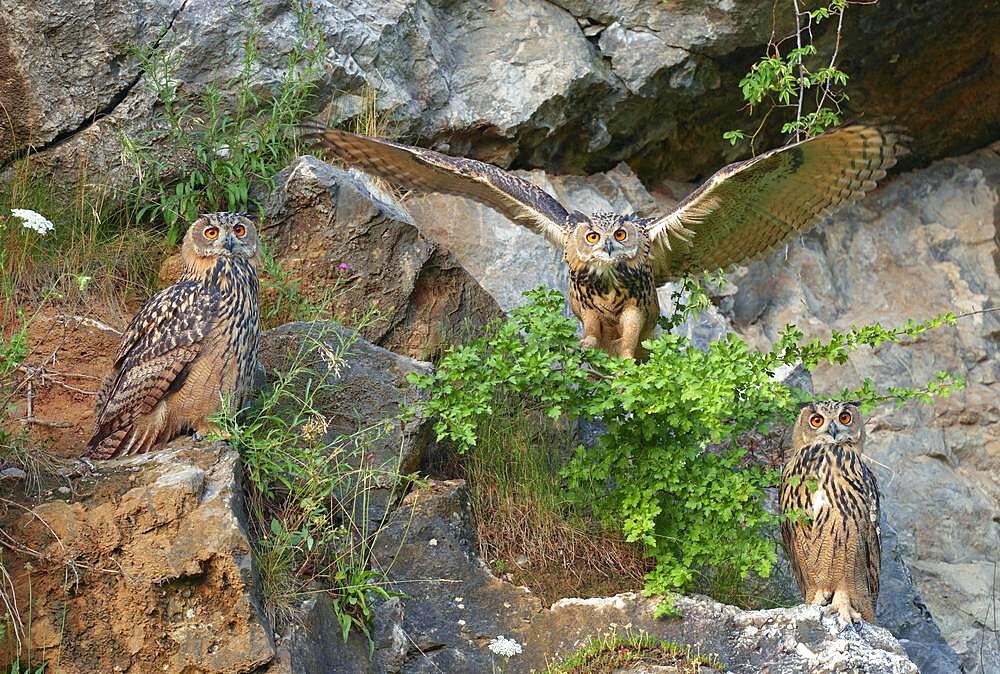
x=750, y=206
x=429, y=171
x=152, y=360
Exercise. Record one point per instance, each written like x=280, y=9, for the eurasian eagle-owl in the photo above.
x=834, y=541
x=191, y=346
x=617, y=261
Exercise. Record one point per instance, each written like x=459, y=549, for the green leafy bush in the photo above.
x=793, y=77
x=667, y=468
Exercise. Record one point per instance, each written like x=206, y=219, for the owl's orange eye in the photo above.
x=620, y=234
x=593, y=237
x=816, y=420
x=846, y=418
x=240, y=230
x=211, y=232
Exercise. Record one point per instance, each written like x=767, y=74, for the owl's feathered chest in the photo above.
x=236, y=325
x=829, y=483
x=612, y=289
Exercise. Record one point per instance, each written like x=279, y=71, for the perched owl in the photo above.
x=836, y=549
x=616, y=261
x=189, y=347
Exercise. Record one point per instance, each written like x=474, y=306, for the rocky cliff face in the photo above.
x=356, y=250
x=571, y=86
x=147, y=569
x=925, y=243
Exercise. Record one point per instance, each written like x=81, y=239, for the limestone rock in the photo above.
x=571, y=86
x=350, y=244
x=924, y=244
x=149, y=566
x=63, y=64
x=902, y=611
x=458, y=617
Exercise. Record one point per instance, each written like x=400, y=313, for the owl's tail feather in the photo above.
x=115, y=440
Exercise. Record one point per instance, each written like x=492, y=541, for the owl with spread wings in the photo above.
x=616, y=261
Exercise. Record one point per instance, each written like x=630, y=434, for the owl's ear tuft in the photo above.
x=578, y=217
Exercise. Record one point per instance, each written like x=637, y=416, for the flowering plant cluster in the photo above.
x=36, y=222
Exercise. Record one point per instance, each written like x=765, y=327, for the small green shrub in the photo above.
x=667, y=471
x=224, y=144
x=614, y=652
x=309, y=492
x=806, y=87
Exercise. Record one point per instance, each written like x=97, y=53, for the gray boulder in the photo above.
x=457, y=617
x=361, y=397
x=354, y=249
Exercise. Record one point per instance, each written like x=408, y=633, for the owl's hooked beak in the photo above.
x=832, y=430
x=230, y=242
x=608, y=247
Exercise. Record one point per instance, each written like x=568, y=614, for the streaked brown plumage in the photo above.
x=191, y=346
x=836, y=550
x=740, y=212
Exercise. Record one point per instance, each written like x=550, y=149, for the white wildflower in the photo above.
x=503, y=646
x=433, y=542
x=33, y=221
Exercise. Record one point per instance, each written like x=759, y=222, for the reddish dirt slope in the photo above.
x=70, y=353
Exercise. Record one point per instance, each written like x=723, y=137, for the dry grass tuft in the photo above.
x=525, y=525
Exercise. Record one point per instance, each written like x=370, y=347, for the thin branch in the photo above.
x=89, y=322
x=35, y=421
x=798, y=44
x=833, y=59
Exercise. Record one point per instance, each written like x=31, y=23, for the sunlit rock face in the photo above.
x=925, y=243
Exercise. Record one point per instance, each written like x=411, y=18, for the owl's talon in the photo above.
x=822, y=598
x=589, y=342
x=842, y=605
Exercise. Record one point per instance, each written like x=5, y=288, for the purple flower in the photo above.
x=343, y=266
